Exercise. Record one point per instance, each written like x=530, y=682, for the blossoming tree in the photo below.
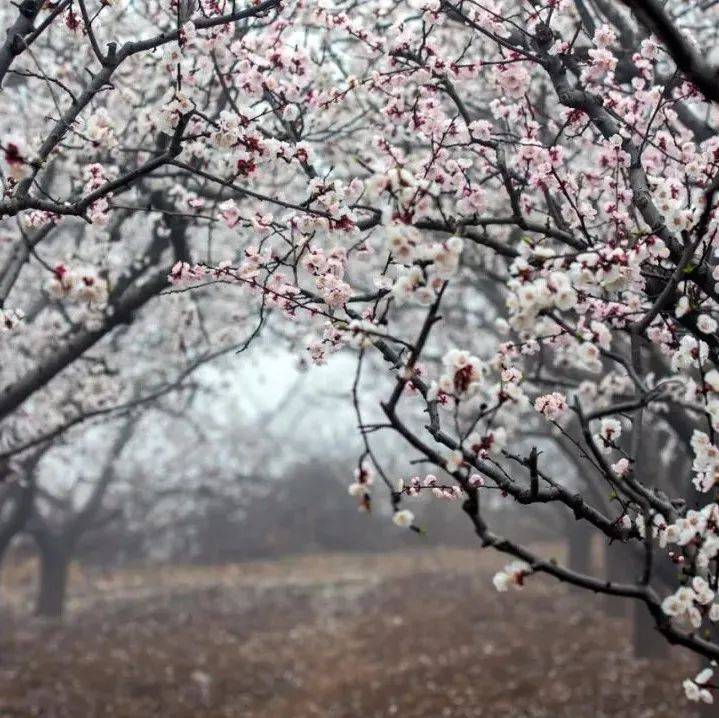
x=408, y=180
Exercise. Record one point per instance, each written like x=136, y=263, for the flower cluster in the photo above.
x=487, y=443
x=360, y=487
x=277, y=291
x=698, y=529
x=688, y=604
x=609, y=432
x=431, y=483
x=328, y=270
x=706, y=462
x=462, y=376
x=696, y=689
x=690, y=353
x=552, y=406
x=426, y=266
x=80, y=285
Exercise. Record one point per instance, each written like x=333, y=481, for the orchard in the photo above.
x=504, y=211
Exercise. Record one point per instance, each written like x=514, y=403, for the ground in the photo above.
x=412, y=634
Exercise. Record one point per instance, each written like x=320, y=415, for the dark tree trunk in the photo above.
x=20, y=497
x=624, y=565
x=57, y=545
x=648, y=642
x=54, y=565
x=580, y=548
x=617, y=568
x=16, y=503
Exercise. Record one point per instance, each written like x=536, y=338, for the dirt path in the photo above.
x=414, y=635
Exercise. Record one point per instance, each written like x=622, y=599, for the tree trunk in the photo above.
x=54, y=565
x=580, y=549
x=624, y=566
x=20, y=497
x=648, y=642
x=616, y=569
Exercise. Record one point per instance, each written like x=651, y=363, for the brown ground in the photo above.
x=410, y=634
